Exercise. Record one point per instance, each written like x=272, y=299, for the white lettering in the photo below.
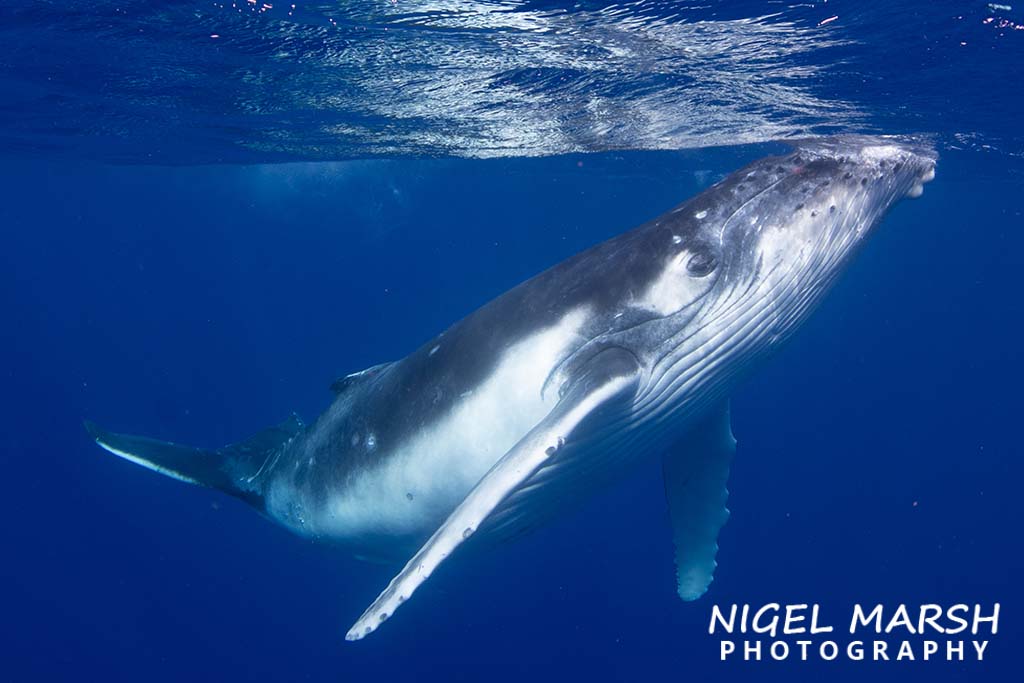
x=814, y=623
x=900, y=619
x=791, y=619
x=951, y=614
x=773, y=624
x=930, y=616
x=859, y=618
x=978, y=619
x=717, y=616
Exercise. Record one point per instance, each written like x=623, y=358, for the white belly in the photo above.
x=419, y=483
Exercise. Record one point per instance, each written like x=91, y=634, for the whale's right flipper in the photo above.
x=696, y=473
x=610, y=375
x=234, y=469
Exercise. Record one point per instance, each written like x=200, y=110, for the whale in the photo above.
x=626, y=352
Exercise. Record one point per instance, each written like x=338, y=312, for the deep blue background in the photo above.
x=879, y=456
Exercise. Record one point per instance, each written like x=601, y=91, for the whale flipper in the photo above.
x=234, y=469
x=610, y=375
x=696, y=473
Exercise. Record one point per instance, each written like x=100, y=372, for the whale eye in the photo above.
x=701, y=264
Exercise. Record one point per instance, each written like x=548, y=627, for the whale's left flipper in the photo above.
x=606, y=378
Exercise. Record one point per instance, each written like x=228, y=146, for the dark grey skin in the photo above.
x=552, y=389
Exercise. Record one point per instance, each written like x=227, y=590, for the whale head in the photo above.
x=750, y=257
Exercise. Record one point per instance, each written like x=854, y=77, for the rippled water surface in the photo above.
x=255, y=81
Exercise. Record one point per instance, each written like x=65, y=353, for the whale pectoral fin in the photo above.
x=609, y=376
x=696, y=473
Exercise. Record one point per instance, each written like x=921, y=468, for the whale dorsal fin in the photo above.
x=343, y=384
x=608, y=377
x=696, y=472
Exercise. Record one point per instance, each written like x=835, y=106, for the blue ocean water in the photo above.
x=164, y=272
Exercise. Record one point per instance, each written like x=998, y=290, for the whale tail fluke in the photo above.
x=236, y=469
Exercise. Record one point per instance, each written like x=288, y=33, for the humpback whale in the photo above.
x=627, y=351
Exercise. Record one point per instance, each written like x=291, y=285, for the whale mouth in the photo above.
x=917, y=189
